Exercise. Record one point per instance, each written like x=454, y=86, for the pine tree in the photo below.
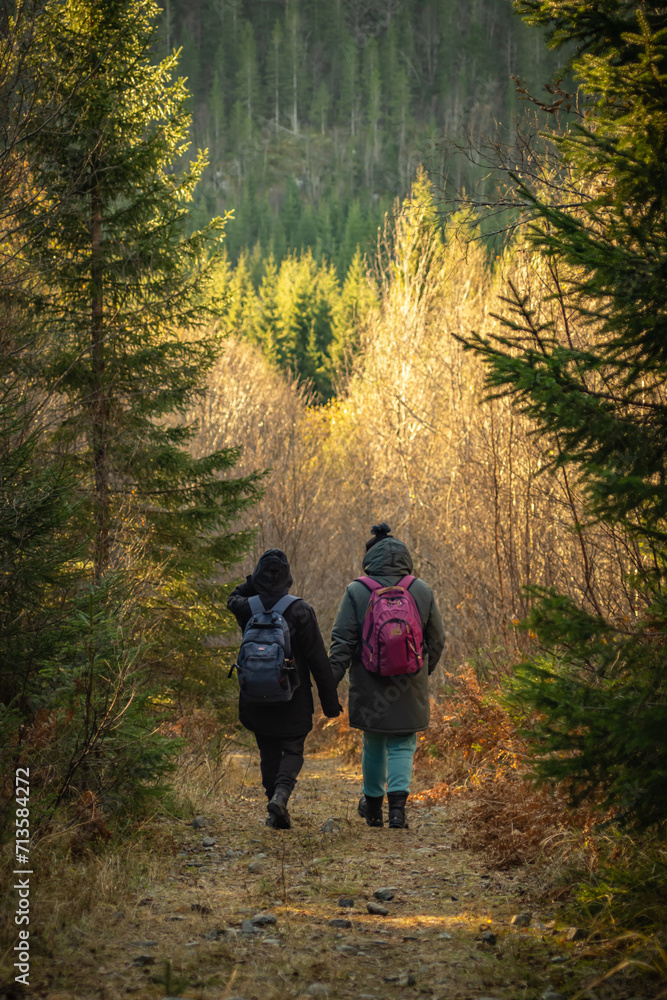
x=373, y=102
x=358, y=298
x=268, y=318
x=217, y=109
x=295, y=61
x=247, y=86
x=124, y=292
x=275, y=75
x=595, y=388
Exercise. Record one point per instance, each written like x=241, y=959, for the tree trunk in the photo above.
x=99, y=402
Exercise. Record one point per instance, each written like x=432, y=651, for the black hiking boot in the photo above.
x=396, y=801
x=370, y=809
x=278, y=808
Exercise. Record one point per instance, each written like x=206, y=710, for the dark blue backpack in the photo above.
x=264, y=666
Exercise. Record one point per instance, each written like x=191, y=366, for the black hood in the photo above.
x=271, y=577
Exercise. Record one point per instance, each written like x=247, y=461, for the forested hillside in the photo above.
x=316, y=113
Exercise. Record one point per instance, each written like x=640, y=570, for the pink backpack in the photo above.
x=391, y=634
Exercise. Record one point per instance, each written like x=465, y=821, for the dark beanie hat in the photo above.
x=378, y=531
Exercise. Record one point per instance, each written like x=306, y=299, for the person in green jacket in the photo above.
x=389, y=710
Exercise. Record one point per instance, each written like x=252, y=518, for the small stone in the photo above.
x=346, y=949
x=444, y=937
x=488, y=937
x=144, y=944
x=340, y=922
x=254, y=867
x=208, y=842
x=407, y=979
x=191, y=944
x=331, y=825
x=522, y=919
x=276, y=942
x=346, y=902
x=550, y=994
x=263, y=919
x=377, y=910
x=575, y=934
x=143, y=960
x=214, y=934
x=198, y=822
x=247, y=927
x=317, y=990
x=385, y=894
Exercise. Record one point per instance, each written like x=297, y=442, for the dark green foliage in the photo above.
x=342, y=97
x=113, y=535
x=595, y=388
x=601, y=697
x=104, y=733
x=300, y=316
x=125, y=293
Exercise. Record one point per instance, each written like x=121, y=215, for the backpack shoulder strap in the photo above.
x=284, y=603
x=369, y=582
x=256, y=606
x=406, y=582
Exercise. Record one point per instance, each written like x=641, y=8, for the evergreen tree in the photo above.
x=348, y=105
x=268, y=318
x=373, y=103
x=295, y=62
x=124, y=292
x=275, y=75
x=358, y=298
x=355, y=235
x=217, y=110
x=247, y=86
x=595, y=389
x=319, y=111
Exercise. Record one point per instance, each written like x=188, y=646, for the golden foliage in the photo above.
x=475, y=750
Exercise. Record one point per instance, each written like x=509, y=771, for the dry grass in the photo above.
x=98, y=914
x=471, y=753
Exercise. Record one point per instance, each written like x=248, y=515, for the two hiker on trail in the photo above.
x=388, y=695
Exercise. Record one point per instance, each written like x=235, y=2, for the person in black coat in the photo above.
x=281, y=728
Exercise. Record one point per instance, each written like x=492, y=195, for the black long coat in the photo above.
x=271, y=580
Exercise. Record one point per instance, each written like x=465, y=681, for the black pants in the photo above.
x=280, y=761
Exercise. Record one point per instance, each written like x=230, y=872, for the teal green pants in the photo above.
x=387, y=760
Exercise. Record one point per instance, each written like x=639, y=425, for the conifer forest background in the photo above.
x=272, y=271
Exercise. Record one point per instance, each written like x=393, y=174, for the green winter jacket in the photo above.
x=391, y=705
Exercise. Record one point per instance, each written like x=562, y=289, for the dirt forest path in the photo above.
x=243, y=911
